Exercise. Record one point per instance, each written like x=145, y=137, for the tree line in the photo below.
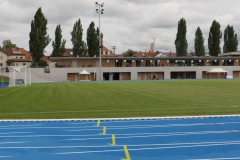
x=39, y=39
x=215, y=35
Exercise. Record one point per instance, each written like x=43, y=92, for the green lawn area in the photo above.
x=120, y=99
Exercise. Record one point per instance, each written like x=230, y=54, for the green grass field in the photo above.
x=120, y=99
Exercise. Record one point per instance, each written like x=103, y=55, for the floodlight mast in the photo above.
x=100, y=46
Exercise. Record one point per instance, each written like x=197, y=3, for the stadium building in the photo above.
x=142, y=66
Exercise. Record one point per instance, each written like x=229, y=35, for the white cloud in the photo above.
x=127, y=24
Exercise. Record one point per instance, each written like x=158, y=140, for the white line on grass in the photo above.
x=10, y=91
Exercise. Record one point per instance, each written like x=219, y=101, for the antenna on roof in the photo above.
x=153, y=45
x=114, y=47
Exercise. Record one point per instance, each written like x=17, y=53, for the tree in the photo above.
x=92, y=41
x=98, y=37
x=85, y=49
x=77, y=38
x=230, y=40
x=58, y=44
x=215, y=35
x=41, y=63
x=199, y=43
x=38, y=36
x=129, y=53
x=8, y=44
x=181, y=41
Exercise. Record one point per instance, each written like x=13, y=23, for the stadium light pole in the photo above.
x=99, y=11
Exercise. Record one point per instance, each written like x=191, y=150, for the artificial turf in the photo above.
x=120, y=99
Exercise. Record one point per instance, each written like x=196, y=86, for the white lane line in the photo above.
x=82, y=128
x=12, y=142
x=217, y=158
x=174, y=125
x=16, y=133
x=5, y=156
x=45, y=128
x=178, y=133
x=34, y=136
x=109, y=146
x=57, y=147
x=117, y=150
x=127, y=135
x=163, y=135
x=30, y=125
x=79, y=123
x=123, y=121
x=153, y=148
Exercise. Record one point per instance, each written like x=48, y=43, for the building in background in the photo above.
x=17, y=57
x=3, y=59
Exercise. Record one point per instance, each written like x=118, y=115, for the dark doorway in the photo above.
x=183, y=75
x=106, y=76
x=115, y=76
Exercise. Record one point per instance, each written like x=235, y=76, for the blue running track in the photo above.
x=196, y=138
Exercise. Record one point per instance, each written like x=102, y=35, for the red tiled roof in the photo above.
x=105, y=49
x=23, y=51
x=46, y=58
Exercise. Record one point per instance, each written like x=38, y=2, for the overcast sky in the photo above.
x=127, y=24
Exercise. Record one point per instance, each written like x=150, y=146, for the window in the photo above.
x=17, y=52
x=24, y=64
x=21, y=57
x=1, y=64
x=1, y=57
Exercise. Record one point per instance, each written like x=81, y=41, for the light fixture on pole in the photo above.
x=99, y=11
